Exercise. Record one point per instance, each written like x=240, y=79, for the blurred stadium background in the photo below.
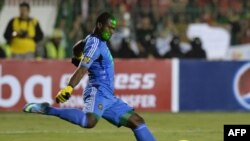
x=181, y=96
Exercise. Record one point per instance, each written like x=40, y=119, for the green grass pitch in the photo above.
x=165, y=126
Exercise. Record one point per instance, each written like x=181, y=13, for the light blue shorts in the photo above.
x=104, y=104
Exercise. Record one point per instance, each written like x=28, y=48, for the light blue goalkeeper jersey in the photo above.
x=99, y=61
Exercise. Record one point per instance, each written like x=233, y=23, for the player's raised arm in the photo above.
x=64, y=94
x=89, y=55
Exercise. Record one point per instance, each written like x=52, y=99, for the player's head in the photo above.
x=105, y=25
x=24, y=8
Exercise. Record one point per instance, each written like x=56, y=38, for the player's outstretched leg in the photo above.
x=72, y=115
x=140, y=129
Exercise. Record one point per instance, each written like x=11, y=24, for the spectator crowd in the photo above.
x=147, y=28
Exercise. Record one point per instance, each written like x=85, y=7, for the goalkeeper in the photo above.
x=93, y=56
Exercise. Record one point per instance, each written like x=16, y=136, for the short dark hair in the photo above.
x=25, y=4
x=104, y=17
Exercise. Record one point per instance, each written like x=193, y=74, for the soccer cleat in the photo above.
x=39, y=108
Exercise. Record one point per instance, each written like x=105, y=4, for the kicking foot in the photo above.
x=36, y=108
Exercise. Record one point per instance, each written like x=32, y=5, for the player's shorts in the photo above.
x=104, y=104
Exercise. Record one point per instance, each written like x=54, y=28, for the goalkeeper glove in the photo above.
x=64, y=94
x=76, y=60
